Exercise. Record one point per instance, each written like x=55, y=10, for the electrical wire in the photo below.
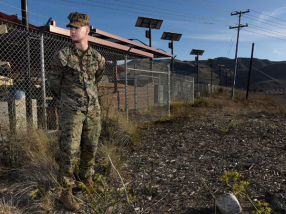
x=179, y=12
x=208, y=8
x=269, y=16
x=20, y=17
x=231, y=43
x=264, y=34
x=159, y=12
x=123, y=10
x=268, y=22
x=9, y=5
x=266, y=30
x=14, y=23
x=268, y=76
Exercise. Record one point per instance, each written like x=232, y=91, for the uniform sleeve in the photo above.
x=55, y=75
x=101, y=69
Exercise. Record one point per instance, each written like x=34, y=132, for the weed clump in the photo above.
x=201, y=102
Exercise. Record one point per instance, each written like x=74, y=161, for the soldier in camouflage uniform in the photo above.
x=76, y=70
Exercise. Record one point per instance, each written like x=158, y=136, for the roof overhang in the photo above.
x=115, y=42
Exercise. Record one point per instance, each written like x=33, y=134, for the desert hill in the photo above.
x=265, y=74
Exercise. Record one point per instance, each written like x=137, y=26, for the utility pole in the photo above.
x=250, y=68
x=220, y=67
x=238, y=29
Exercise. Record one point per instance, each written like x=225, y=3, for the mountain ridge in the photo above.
x=263, y=72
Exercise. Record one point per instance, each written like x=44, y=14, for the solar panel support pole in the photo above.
x=150, y=45
x=169, y=91
x=197, y=59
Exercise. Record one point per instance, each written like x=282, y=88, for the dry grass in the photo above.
x=257, y=102
x=28, y=167
x=8, y=208
x=27, y=160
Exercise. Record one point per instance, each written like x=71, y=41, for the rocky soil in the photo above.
x=174, y=156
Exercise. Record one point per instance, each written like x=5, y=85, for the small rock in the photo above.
x=228, y=204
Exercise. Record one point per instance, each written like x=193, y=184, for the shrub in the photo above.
x=201, y=102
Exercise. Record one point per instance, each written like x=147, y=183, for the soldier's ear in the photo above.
x=87, y=30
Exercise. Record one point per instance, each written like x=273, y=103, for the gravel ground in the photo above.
x=167, y=167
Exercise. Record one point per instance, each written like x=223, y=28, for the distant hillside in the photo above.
x=263, y=76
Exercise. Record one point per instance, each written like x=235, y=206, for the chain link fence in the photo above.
x=128, y=83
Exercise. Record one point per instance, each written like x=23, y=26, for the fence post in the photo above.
x=43, y=81
x=193, y=89
x=148, y=94
x=135, y=93
x=169, y=91
x=126, y=87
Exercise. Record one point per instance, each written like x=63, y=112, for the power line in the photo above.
x=214, y=2
x=9, y=5
x=20, y=17
x=196, y=2
x=167, y=13
x=180, y=12
x=15, y=23
x=264, y=35
x=231, y=43
x=268, y=22
x=269, y=76
x=208, y=8
x=123, y=10
x=267, y=30
x=269, y=16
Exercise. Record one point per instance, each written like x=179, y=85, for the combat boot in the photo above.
x=91, y=186
x=68, y=200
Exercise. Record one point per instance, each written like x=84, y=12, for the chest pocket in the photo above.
x=73, y=73
x=92, y=67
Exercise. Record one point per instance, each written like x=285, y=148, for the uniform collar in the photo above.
x=76, y=50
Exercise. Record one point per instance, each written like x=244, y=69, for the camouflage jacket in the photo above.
x=73, y=78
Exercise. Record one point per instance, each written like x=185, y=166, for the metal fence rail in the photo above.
x=128, y=84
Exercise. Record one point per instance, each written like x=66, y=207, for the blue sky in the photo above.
x=203, y=23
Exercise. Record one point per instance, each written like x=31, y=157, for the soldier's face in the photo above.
x=79, y=34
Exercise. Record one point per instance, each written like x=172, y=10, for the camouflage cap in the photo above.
x=78, y=19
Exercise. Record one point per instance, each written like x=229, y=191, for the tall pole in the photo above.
x=226, y=70
x=25, y=23
x=169, y=91
x=211, y=61
x=42, y=54
x=220, y=76
x=150, y=45
x=250, y=69
x=211, y=78
x=238, y=29
x=172, y=51
x=126, y=87
x=197, y=59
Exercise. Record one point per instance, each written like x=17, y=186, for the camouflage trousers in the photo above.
x=79, y=134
